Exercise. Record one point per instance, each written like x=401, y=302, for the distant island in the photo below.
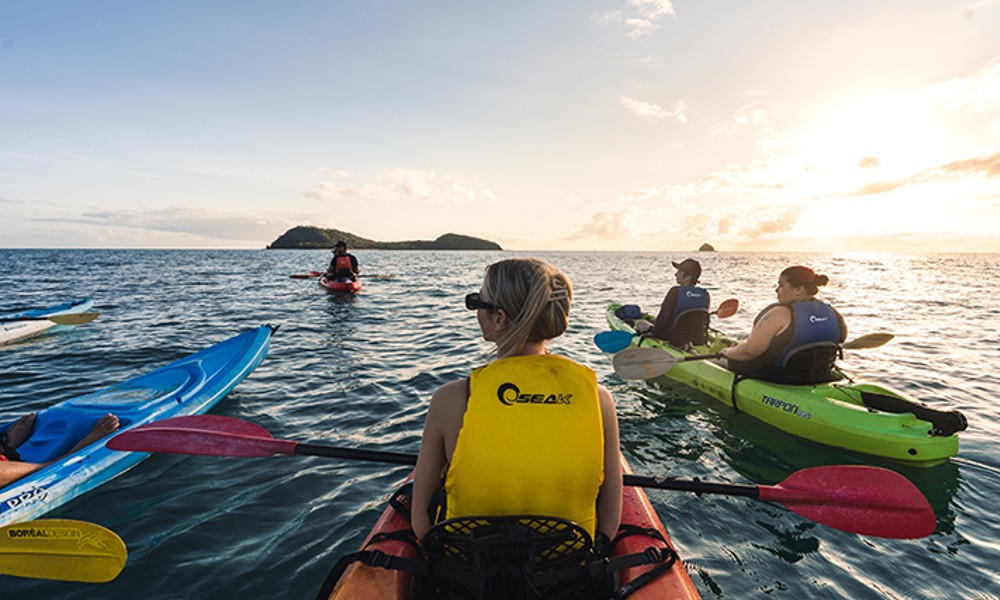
x=706, y=247
x=310, y=238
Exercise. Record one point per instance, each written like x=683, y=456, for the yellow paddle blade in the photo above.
x=74, y=319
x=61, y=549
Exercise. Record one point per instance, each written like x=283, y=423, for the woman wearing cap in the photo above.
x=796, y=321
x=343, y=266
x=683, y=316
x=529, y=433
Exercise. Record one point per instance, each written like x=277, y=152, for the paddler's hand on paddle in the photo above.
x=723, y=360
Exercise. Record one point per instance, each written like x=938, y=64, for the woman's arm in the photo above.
x=771, y=323
x=444, y=419
x=609, y=499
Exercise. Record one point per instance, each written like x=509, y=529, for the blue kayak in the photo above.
x=19, y=325
x=189, y=386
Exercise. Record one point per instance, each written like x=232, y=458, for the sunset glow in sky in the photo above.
x=570, y=125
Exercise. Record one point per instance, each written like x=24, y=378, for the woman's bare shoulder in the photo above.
x=456, y=386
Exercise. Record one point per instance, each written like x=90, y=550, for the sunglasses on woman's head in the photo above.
x=473, y=302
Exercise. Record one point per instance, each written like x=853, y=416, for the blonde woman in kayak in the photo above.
x=797, y=320
x=531, y=433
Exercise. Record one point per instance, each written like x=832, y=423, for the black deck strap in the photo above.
x=732, y=391
x=945, y=422
x=665, y=556
x=400, y=500
x=376, y=558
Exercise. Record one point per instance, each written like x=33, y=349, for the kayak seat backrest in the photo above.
x=509, y=558
x=690, y=326
x=56, y=431
x=811, y=363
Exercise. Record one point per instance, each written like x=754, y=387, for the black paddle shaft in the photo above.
x=397, y=458
x=645, y=481
x=691, y=485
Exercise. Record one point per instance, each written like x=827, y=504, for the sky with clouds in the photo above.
x=778, y=125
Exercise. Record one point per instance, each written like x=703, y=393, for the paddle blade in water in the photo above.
x=613, y=341
x=61, y=549
x=206, y=435
x=866, y=500
x=74, y=319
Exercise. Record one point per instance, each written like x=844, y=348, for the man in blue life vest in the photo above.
x=343, y=266
x=683, y=316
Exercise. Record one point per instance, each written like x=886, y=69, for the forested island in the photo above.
x=310, y=238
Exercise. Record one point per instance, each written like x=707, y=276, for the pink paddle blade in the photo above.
x=878, y=501
x=208, y=435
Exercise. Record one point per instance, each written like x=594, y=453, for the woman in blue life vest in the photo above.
x=531, y=433
x=795, y=321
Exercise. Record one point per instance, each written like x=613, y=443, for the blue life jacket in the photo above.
x=689, y=299
x=813, y=323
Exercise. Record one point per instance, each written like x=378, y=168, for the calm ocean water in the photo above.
x=359, y=372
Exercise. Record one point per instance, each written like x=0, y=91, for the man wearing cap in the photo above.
x=683, y=316
x=343, y=266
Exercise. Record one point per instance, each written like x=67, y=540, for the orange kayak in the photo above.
x=363, y=582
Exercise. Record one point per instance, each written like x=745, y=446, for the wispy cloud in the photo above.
x=639, y=17
x=191, y=221
x=605, y=226
x=780, y=223
x=988, y=166
x=648, y=110
x=760, y=119
x=401, y=185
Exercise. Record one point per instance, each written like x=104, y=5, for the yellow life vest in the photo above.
x=531, y=442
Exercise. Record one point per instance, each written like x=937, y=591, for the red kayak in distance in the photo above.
x=341, y=285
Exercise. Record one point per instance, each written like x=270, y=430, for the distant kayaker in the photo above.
x=342, y=265
x=531, y=432
x=683, y=316
x=13, y=468
x=795, y=340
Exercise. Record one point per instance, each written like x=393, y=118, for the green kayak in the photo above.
x=850, y=414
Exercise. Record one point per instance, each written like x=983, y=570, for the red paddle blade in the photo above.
x=727, y=308
x=207, y=435
x=866, y=500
